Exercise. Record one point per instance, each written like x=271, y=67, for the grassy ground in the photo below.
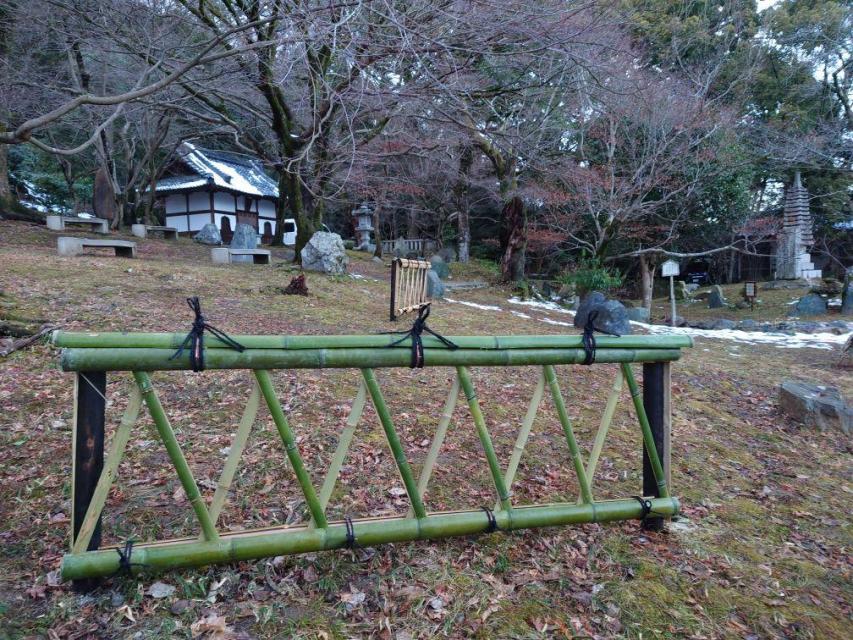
x=764, y=550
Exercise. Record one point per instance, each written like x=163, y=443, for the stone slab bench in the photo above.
x=225, y=255
x=141, y=231
x=69, y=246
x=58, y=223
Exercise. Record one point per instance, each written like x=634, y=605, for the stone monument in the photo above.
x=363, y=227
x=792, y=251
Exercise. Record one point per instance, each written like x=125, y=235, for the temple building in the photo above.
x=206, y=186
x=793, y=259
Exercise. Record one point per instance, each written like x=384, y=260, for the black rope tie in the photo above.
x=588, y=338
x=125, y=564
x=195, y=338
x=350, y=541
x=418, y=328
x=647, y=509
x=493, y=522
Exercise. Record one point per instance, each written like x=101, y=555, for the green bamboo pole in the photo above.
x=563, y=415
x=485, y=438
x=342, y=448
x=524, y=433
x=109, y=472
x=235, y=452
x=603, y=428
x=290, y=447
x=241, y=546
x=394, y=442
x=648, y=438
x=175, y=454
x=161, y=359
x=114, y=340
x=438, y=439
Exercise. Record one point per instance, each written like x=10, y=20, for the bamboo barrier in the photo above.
x=408, y=286
x=90, y=355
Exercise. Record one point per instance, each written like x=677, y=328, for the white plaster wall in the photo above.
x=223, y=201
x=198, y=220
x=266, y=208
x=176, y=203
x=179, y=222
x=200, y=201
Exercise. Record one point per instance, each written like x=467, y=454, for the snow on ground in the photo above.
x=827, y=341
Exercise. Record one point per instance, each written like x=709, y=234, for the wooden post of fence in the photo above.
x=90, y=389
x=394, y=285
x=656, y=400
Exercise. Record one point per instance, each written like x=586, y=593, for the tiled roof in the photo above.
x=231, y=171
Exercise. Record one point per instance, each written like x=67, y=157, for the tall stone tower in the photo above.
x=792, y=250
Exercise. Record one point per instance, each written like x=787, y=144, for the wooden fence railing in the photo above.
x=408, y=286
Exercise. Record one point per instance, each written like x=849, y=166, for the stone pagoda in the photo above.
x=793, y=259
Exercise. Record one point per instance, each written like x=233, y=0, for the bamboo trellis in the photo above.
x=92, y=355
x=408, y=286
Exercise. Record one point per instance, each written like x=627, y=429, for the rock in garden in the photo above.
x=682, y=292
x=679, y=321
x=815, y=405
x=638, y=314
x=722, y=323
x=716, y=299
x=245, y=237
x=208, y=234
x=448, y=254
x=435, y=287
x=612, y=315
x=439, y=266
x=325, y=253
x=810, y=304
x=748, y=325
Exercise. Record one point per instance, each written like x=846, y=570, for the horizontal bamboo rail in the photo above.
x=162, y=360
x=234, y=547
x=116, y=340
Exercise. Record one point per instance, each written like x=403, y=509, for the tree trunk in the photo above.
x=463, y=225
x=377, y=233
x=647, y=278
x=514, y=240
x=5, y=187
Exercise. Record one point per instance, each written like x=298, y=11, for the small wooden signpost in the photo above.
x=670, y=269
x=750, y=292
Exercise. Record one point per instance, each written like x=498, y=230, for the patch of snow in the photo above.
x=484, y=307
x=518, y=314
x=548, y=320
x=538, y=304
x=834, y=302
x=779, y=340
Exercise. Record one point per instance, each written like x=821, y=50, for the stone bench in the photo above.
x=58, y=223
x=69, y=246
x=141, y=231
x=225, y=255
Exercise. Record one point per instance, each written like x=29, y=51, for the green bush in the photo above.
x=590, y=275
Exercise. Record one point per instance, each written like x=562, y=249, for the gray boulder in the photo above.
x=245, y=237
x=748, y=325
x=435, y=287
x=325, y=253
x=716, y=299
x=448, y=254
x=612, y=315
x=439, y=266
x=638, y=314
x=679, y=321
x=722, y=323
x=810, y=304
x=847, y=295
x=815, y=405
x=208, y=234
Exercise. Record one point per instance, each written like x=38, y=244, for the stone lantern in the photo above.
x=363, y=225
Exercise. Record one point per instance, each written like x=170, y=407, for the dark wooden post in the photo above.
x=89, y=414
x=394, y=276
x=656, y=400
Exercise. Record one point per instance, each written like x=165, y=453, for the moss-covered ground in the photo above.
x=764, y=549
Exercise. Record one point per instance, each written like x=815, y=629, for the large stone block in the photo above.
x=439, y=266
x=810, y=304
x=435, y=287
x=716, y=298
x=245, y=237
x=325, y=253
x=612, y=315
x=209, y=235
x=815, y=405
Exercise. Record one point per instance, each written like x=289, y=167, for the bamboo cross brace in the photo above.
x=648, y=438
x=438, y=439
x=167, y=435
x=291, y=449
x=235, y=452
x=485, y=438
x=343, y=448
x=394, y=443
x=524, y=434
x=109, y=472
x=562, y=414
x=603, y=428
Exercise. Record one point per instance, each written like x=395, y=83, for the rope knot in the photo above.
x=195, y=338
x=588, y=339
x=419, y=326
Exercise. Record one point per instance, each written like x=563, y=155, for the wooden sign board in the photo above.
x=750, y=290
x=669, y=269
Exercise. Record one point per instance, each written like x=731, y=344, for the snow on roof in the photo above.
x=226, y=170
